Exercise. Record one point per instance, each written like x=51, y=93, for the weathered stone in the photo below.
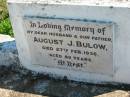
x=11, y=93
x=17, y=81
x=117, y=93
x=5, y=38
x=35, y=22
x=41, y=86
x=8, y=51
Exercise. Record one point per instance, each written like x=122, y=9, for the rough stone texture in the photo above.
x=10, y=93
x=8, y=52
x=16, y=81
x=118, y=93
x=19, y=79
x=95, y=1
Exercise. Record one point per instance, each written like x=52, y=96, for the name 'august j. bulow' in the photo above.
x=70, y=43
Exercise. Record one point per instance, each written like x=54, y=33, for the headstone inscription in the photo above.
x=70, y=44
x=83, y=44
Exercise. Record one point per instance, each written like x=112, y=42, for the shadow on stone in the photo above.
x=17, y=78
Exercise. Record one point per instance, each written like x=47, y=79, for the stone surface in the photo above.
x=87, y=47
x=5, y=38
x=117, y=12
x=8, y=52
x=10, y=93
x=118, y=93
x=97, y=2
x=16, y=81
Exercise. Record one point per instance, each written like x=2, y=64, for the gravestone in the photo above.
x=86, y=41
